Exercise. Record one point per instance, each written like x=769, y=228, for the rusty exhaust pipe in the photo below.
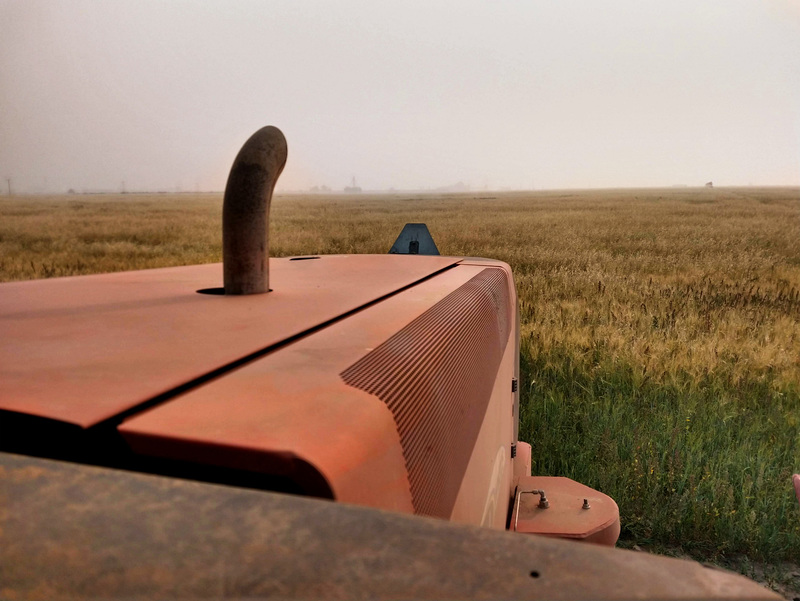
x=245, y=212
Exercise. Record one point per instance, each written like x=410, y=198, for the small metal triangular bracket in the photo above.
x=415, y=239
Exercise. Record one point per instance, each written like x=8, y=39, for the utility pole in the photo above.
x=8, y=181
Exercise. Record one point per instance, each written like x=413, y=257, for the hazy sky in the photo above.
x=412, y=94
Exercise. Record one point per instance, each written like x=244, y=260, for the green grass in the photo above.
x=703, y=464
x=660, y=345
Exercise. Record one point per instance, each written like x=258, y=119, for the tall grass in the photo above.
x=660, y=329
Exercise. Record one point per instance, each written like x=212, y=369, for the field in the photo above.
x=660, y=329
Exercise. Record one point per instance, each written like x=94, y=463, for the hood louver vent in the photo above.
x=436, y=376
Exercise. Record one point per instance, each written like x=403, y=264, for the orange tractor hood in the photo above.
x=285, y=385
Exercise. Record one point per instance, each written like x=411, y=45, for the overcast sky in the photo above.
x=412, y=94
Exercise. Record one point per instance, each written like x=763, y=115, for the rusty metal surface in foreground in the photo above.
x=69, y=531
x=83, y=349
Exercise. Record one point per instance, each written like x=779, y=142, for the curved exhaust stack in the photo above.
x=245, y=212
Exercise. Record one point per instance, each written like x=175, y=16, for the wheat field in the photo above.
x=660, y=328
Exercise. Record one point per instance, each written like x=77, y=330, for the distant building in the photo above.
x=457, y=187
x=353, y=189
x=709, y=184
